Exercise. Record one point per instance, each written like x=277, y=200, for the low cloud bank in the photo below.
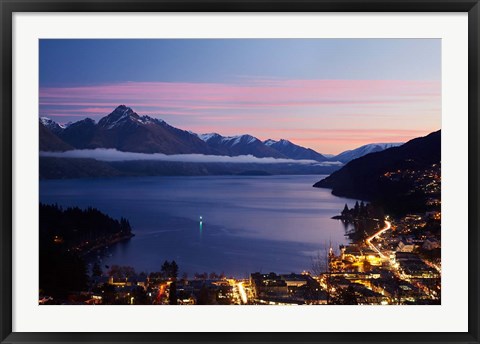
x=115, y=155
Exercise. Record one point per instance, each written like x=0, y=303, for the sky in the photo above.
x=326, y=94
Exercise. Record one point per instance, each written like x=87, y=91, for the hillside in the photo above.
x=364, y=178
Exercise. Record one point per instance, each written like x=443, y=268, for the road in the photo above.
x=388, y=225
x=243, y=294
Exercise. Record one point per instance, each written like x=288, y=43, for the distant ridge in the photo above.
x=123, y=129
x=356, y=153
x=294, y=151
x=240, y=145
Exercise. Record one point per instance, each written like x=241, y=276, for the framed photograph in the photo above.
x=239, y=171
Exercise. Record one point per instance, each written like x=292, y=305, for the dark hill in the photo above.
x=51, y=142
x=79, y=134
x=362, y=178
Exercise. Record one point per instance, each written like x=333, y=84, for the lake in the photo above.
x=231, y=224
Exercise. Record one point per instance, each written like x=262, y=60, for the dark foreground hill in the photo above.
x=364, y=178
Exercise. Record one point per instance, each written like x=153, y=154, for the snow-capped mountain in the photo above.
x=239, y=145
x=363, y=150
x=294, y=151
x=49, y=141
x=52, y=125
x=125, y=130
x=124, y=115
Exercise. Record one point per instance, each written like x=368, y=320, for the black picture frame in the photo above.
x=8, y=7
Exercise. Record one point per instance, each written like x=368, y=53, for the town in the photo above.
x=390, y=261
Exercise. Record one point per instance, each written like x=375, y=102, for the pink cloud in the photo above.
x=273, y=94
x=308, y=110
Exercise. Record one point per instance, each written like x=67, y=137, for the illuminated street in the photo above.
x=388, y=225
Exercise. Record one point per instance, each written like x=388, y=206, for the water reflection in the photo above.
x=225, y=224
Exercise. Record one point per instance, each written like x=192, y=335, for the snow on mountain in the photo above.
x=239, y=145
x=228, y=140
x=269, y=142
x=46, y=121
x=207, y=137
x=124, y=115
x=364, y=150
x=239, y=139
x=294, y=151
x=124, y=129
x=281, y=142
x=52, y=125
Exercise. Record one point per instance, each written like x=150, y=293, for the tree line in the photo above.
x=73, y=227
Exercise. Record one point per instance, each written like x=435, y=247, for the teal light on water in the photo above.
x=201, y=224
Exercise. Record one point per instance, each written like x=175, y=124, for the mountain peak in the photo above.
x=46, y=120
x=122, y=107
x=208, y=136
x=122, y=114
x=294, y=151
x=245, y=139
x=123, y=110
x=51, y=124
x=269, y=142
x=364, y=150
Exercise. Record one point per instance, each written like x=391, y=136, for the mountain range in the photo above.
x=126, y=131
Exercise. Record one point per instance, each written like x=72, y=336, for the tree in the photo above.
x=173, y=270
x=61, y=272
x=346, y=297
x=356, y=209
x=139, y=296
x=165, y=269
x=362, y=209
x=108, y=294
x=203, y=296
x=121, y=272
x=173, y=293
x=96, y=270
x=345, y=210
x=170, y=270
x=320, y=263
x=349, y=296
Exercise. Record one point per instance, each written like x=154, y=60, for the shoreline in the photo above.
x=111, y=241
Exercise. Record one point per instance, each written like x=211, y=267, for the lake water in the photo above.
x=249, y=223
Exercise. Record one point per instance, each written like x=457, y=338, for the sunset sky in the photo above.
x=327, y=94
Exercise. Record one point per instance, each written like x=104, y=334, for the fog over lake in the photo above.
x=249, y=223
